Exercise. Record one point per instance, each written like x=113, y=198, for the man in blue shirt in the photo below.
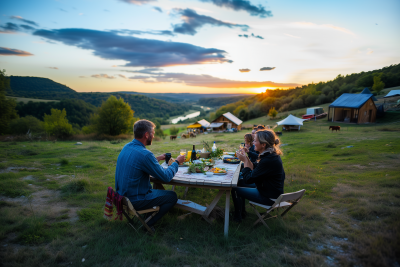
x=135, y=164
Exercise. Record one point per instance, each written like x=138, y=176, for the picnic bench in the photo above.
x=222, y=183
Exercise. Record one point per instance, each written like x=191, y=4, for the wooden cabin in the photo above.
x=353, y=108
x=226, y=121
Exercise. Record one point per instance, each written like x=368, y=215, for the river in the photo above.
x=189, y=116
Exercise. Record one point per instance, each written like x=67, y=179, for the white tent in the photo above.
x=291, y=121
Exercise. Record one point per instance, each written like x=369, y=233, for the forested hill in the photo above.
x=312, y=94
x=43, y=88
x=36, y=87
x=220, y=101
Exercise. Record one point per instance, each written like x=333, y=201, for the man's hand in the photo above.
x=180, y=159
x=161, y=157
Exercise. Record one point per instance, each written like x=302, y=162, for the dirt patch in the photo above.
x=46, y=202
x=358, y=166
x=16, y=169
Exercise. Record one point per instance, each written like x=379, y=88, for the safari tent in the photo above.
x=226, y=121
x=291, y=123
x=353, y=108
x=199, y=126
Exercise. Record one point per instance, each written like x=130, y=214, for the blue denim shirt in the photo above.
x=135, y=164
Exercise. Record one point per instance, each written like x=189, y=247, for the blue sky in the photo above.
x=196, y=46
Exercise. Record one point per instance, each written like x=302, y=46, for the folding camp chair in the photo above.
x=285, y=201
x=128, y=209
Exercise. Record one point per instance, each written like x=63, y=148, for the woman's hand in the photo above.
x=246, y=149
x=241, y=155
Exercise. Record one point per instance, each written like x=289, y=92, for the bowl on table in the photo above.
x=205, y=155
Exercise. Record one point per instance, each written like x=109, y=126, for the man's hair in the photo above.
x=260, y=127
x=141, y=127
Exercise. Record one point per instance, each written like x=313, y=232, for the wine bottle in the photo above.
x=193, y=153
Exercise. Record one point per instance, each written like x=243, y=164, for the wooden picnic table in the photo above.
x=222, y=183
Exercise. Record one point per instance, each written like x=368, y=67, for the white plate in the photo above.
x=220, y=173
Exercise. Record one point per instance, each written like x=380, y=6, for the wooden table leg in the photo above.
x=227, y=203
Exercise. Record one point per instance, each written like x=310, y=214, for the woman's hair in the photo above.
x=260, y=127
x=269, y=138
x=248, y=138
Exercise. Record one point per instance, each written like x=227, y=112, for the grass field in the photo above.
x=52, y=197
x=26, y=100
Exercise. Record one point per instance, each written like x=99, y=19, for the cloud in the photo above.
x=267, y=68
x=99, y=76
x=193, y=21
x=82, y=76
x=136, y=51
x=158, y=9
x=291, y=35
x=9, y=28
x=4, y=51
x=63, y=10
x=205, y=80
x=369, y=51
x=321, y=26
x=12, y=28
x=54, y=68
x=242, y=5
x=25, y=20
x=27, y=27
x=252, y=35
x=122, y=76
x=244, y=70
x=138, y=2
x=137, y=32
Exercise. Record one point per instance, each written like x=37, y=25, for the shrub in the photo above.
x=64, y=162
x=75, y=186
x=173, y=130
x=57, y=123
x=331, y=145
x=24, y=124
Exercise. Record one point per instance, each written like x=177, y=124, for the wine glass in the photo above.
x=183, y=152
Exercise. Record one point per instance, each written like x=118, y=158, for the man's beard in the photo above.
x=148, y=141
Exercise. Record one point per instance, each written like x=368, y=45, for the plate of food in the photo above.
x=232, y=160
x=218, y=171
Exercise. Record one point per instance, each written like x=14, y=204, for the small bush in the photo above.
x=114, y=142
x=28, y=152
x=64, y=162
x=75, y=186
x=331, y=145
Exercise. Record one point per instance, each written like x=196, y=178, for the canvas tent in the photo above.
x=199, y=126
x=356, y=108
x=291, y=123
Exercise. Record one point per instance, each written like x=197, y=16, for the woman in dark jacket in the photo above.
x=268, y=174
x=249, y=147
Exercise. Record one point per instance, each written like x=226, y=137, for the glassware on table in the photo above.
x=189, y=155
x=241, y=146
x=183, y=152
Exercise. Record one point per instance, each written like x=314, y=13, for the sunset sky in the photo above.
x=196, y=46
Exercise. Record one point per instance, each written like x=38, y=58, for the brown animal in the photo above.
x=334, y=128
x=172, y=137
x=192, y=135
x=184, y=136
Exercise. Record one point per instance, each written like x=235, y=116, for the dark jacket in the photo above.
x=253, y=155
x=268, y=175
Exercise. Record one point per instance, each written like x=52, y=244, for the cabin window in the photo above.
x=356, y=113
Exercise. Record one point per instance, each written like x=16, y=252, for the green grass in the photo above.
x=351, y=205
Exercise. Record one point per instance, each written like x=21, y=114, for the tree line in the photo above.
x=311, y=94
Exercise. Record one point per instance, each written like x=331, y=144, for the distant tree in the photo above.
x=25, y=124
x=272, y=113
x=114, y=117
x=57, y=124
x=7, y=106
x=173, y=130
x=378, y=84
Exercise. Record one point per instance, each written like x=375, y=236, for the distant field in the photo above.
x=26, y=100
